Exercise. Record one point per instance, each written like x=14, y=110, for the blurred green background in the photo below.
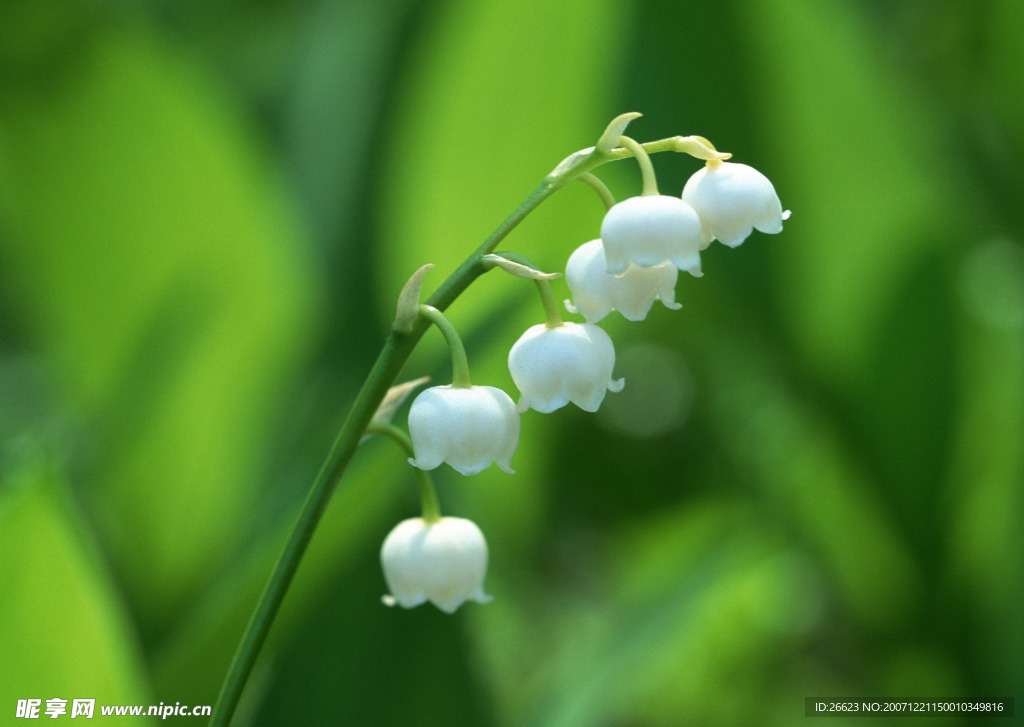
x=811, y=485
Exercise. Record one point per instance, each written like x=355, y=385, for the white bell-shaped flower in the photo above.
x=443, y=562
x=466, y=426
x=650, y=230
x=596, y=292
x=732, y=199
x=572, y=362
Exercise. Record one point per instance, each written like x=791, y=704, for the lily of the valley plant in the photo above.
x=645, y=241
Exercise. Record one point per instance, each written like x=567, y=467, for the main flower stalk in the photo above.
x=396, y=350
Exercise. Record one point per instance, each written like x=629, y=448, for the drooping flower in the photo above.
x=651, y=230
x=443, y=562
x=596, y=292
x=731, y=200
x=466, y=426
x=572, y=362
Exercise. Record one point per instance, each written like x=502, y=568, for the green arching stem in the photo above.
x=552, y=315
x=600, y=187
x=395, y=352
x=428, y=495
x=646, y=168
x=460, y=364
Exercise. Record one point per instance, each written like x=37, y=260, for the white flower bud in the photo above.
x=596, y=292
x=569, y=363
x=650, y=230
x=467, y=427
x=443, y=562
x=732, y=199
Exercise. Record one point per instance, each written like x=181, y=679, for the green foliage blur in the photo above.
x=811, y=486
